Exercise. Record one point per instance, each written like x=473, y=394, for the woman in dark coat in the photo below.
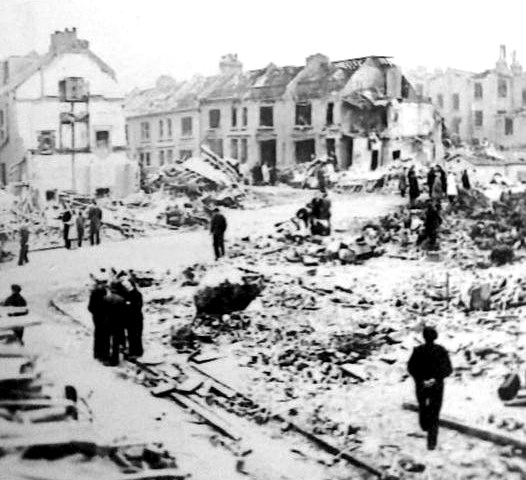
x=414, y=190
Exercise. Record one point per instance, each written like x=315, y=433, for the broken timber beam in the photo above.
x=482, y=433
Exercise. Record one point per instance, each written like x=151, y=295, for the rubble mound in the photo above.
x=225, y=291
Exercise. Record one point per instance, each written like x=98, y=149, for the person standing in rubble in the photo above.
x=402, y=182
x=17, y=300
x=432, y=222
x=218, y=227
x=95, y=223
x=134, y=318
x=431, y=175
x=325, y=211
x=429, y=365
x=437, y=191
x=265, y=173
x=115, y=311
x=24, y=244
x=466, y=184
x=452, y=190
x=80, y=223
x=414, y=189
x=97, y=308
x=67, y=220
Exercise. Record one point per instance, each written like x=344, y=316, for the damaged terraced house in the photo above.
x=62, y=125
x=363, y=112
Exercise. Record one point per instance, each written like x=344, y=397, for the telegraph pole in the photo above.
x=73, y=175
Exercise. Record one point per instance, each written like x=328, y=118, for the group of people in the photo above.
x=115, y=304
x=316, y=215
x=77, y=219
x=439, y=184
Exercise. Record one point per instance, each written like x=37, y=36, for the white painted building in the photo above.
x=54, y=143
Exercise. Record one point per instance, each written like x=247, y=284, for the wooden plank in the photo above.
x=482, y=433
x=16, y=379
x=9, y=323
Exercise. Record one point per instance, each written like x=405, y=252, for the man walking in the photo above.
x=66, y=225
x=217, y=229
x=432, y=223
x=95, y=222
x=24, y=244
x=79, y=223
x=429, y=365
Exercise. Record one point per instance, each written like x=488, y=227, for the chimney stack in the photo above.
x=230, y=64
x=62, y=41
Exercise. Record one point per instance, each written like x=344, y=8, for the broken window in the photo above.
x=186, y=126
x=508, y=126
x=478, y=90
x=169, y=155
x=214, y=118
x=145, y=131
x=479, y=118
x=185, y=154
x=396, y=154
x=456, y=101
x=234, y=117
x=102, y=138
x=169, y=127
x=331, y=147
x=161, y=158
x=266, y=116
x=245, y=116
x=440, y=100
x=329, y=118
x=161, y=128
x=244, y=150
x=502, y=88
x=234, y=148
x=303, y=114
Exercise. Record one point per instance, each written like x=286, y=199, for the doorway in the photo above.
x=374, y=160
x=305, y=150
x=268, y=152
x=347, y=147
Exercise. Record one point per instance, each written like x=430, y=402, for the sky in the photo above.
x=143, y=39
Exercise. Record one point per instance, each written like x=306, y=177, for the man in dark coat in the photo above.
x=115, y=314
x=101, y=335
x=95, y=222
x=217, y=229
x=134, y=318
x=431, y=180
x=429, y=365
x=24, y=244
x=66, y=225
x=443, y=179
x=17, y=300
x=465, y=180
x=79, y=223
x=414, y=189
x=432, y=222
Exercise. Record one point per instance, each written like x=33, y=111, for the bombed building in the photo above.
x=363, y=112
x=61, y=122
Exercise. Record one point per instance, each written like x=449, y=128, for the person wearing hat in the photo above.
x=429, y=365
x=96, y=306
x=16, y=300
x=24, y=244
x=217, y=229
x=134, y=317
x=115, y=316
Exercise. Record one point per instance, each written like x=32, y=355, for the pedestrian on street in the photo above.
x=24, y=244
x=429, y=365
x=432, y=222
x=431, y=180
x=95, y=222
x=265, y=173
x=67, y=220
x=17, y=300
x=80, y=224
x=466, y=184
x=452, y=190
x=217, y=229
x=414, y=189
x=134, y=318
x=97, y=306
x=402, y=182
x=115, y=315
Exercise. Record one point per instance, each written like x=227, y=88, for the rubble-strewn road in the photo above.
x=123, y=409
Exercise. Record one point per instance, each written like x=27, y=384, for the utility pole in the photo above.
x=73, y=175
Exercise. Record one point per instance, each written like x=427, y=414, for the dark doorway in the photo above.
x=3, y=175
x=347, y=144
x=268, y=152
x=374, y=159
x=305, y=150
x=331, y=147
